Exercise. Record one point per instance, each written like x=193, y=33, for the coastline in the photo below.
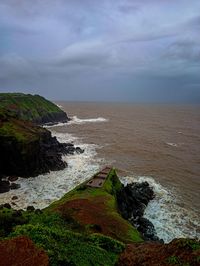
x=42, y=190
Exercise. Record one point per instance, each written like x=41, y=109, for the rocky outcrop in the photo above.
x=32, y=108
x=28, y=150
x=21, y=251
x=132, y=201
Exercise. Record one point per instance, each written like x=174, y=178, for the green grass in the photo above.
x=108, y=193
x=65, y=247
x=28, y=107
x=189, y=244
x=174, y=260
x=59, y=237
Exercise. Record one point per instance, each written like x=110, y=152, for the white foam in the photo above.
x=172, y=144
x=40, y=191
x=61, y=124
x=76, y=120
x=169, y=218
x=60, y=106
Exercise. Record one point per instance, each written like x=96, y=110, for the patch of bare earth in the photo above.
x=21, y=251
x=155, y=254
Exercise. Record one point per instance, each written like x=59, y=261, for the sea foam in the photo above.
x=78, y=121
x=168, y=217
x=42, y=190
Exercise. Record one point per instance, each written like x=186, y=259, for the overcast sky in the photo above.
x=102, y=50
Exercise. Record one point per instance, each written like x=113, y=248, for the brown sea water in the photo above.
x=155, y=143
x=160, y=142
x=155, y=140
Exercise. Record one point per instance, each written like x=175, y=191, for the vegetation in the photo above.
x=66, y=238
x=85, y=228
x=31, y=107
x=95, y=210
x=23, y=144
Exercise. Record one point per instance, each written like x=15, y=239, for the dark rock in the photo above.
x=79, y=150
x=30, y=208
x=4, y=186
x=7, y=205
x=132, y=201
x=146, y=228
x=38, y=211
x=12, y=178
x=17, y=213
x=14, y=186
x=29, y=150
x=14, y=198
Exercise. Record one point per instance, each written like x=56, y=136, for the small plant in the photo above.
x=173, y=260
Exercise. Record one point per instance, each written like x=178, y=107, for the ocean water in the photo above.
x=156, y=143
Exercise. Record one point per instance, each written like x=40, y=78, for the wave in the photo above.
x=76, y=120
x=61, y=124
x=60, y=106
x=172, y=144
x=42, y=190
x=169, y=218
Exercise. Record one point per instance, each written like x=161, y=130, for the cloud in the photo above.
x=97, y=49
x=188, y=50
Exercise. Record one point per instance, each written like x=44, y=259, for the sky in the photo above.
x=101, y=50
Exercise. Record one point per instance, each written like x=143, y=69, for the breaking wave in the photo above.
x=169, y=218
x=42, y=190
x=76, y=120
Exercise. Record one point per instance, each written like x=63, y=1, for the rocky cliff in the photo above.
x=27, y=149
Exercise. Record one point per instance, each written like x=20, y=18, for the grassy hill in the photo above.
x=32, y=108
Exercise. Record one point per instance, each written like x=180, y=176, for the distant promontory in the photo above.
x=34, y=108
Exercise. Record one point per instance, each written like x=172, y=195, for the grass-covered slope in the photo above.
x=84, y=228
x=32, y=108
x=94, y=210
x=63, y=231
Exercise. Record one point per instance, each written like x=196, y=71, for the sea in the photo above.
x=156, y=143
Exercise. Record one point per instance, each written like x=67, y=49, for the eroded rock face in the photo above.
x=178, y=252
x=21, y=251
x=28, y=150
x=132, y=201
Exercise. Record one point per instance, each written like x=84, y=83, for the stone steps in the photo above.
x=98, y=180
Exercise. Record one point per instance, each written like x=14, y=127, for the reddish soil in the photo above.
x=13, y=106
x=154, y=254
x=94, y=212
x=21, y=251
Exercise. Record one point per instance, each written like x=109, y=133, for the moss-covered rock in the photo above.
x=94, y=210
x=32, y=108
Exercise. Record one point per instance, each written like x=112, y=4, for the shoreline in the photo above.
x=88, y=164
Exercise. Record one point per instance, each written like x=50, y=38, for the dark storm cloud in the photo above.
x=101, y=50
x=186, y=50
